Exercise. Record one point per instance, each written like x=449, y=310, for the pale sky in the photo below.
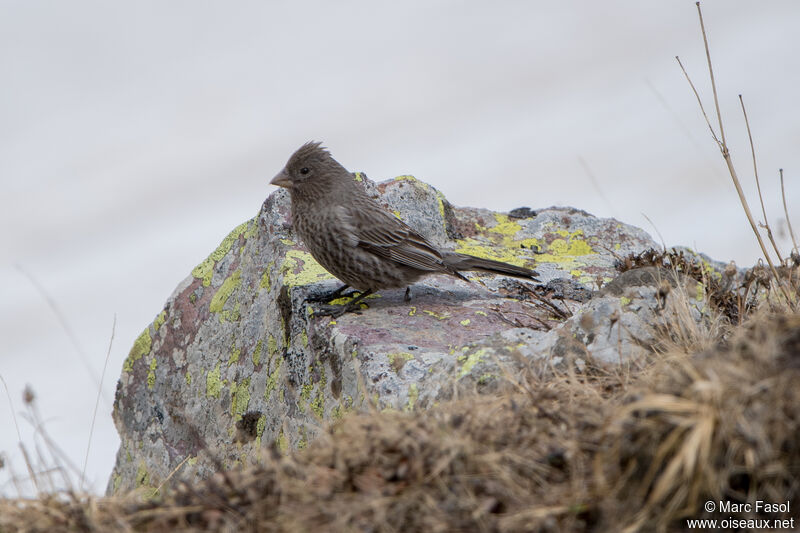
x=135, y=136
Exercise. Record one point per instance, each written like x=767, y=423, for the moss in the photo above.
x=257, y=352
x=299, y=268
x=225, y=290
x=213, y=383
x=151, y=375
x=205, y=269
x=240, y=398
x=141, y=347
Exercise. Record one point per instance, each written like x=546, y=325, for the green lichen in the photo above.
x=266, y=281
x=141, y=347
x=272, y=380
x=413, y=395
x=305, y=395
x=240, y=398
x=469, y=361
x=624, y=300
x=234, y=357
x=205, y=269
x=261, y=425
x=302, y=444
x=272, y=346
x=318, y=404
x=257, y=352
x=299, y=268
x=142, y=475
x=252, y=228
x=151, y=375
x=224, y=292
x=188, y=378
x=159, y=321
x=213, y=383
x=283, y=444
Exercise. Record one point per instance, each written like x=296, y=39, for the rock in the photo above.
x=236, y=361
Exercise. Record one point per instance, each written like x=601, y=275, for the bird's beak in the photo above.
x=281, y=179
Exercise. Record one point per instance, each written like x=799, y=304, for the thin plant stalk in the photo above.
x=758, y=182
x=721, y=142
x=786, y=212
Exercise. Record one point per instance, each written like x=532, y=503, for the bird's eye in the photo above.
x=304, y=170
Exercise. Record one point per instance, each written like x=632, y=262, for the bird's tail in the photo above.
x=468, y=262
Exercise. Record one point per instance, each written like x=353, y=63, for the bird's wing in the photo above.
x=384, y=235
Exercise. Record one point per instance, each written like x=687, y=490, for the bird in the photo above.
x=357, y=240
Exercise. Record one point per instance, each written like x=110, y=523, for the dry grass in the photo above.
x=556, y=450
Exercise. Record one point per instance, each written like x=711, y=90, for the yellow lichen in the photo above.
x=240, y=398
x=159, y=321
x=151, y=375
x=469, y=361
x=213, y=383
x=413, y=395
x=225, y=290
x=141, y=347
x=257, y=352
x=205, y=269
x=308, y=270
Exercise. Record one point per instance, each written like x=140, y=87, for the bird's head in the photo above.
x=310, y=164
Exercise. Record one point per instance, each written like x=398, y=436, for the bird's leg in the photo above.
x=407, y=297
x=335, y=311
x=327, y=298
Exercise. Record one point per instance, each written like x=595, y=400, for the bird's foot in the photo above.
x=329, y=297
x=335, y=311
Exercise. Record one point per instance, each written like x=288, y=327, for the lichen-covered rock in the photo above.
x=237, y=361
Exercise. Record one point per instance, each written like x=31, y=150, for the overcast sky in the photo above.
x=135, y=136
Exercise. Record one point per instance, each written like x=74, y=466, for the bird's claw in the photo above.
x=335, y=311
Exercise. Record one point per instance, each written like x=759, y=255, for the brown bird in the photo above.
x=358, y=241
